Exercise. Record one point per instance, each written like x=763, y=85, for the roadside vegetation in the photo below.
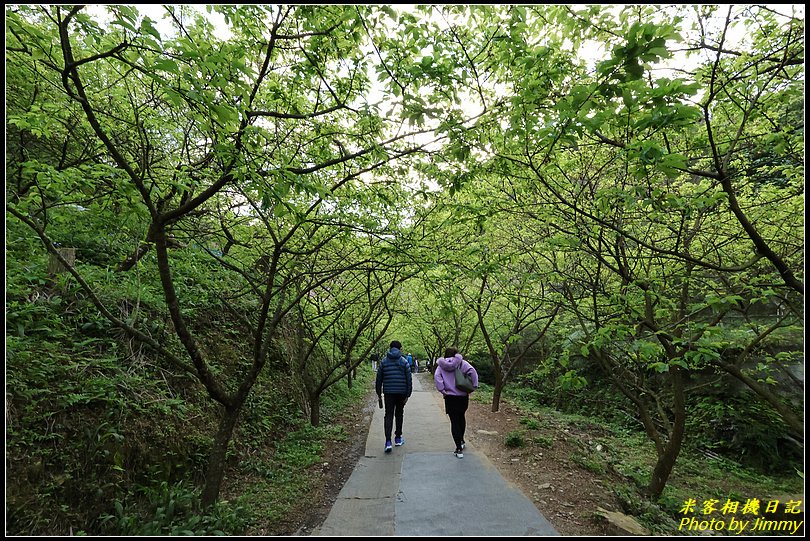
x=103, y=439
x=613, y=448
x=215, y=215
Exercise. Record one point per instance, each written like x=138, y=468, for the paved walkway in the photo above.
x=422, y=489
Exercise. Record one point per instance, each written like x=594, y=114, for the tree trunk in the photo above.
x=667, y=459
x=217, y=459
x=496, y=393
x=130, y=261
x=315, y=409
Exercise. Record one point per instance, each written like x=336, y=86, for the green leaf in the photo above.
x=126, y=24
x=224, y=114
x=679, y=362
x=148, y=27
x=167, y=64
x=390, y=12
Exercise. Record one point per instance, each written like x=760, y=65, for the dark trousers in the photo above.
x=394, y=407
x=456, y=407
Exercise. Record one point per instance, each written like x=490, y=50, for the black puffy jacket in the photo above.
x=394, y=374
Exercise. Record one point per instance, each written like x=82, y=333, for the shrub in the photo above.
x=515, y=439
x=543, y=441
x=530, y=423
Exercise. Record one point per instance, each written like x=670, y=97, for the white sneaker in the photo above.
x=458, y=453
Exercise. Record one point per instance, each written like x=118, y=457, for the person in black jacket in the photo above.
x=394, y=380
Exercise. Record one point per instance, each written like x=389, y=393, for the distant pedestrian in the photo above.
x=375, y=358
x=456, y=401
x=395, y=381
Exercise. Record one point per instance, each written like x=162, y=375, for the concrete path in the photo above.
x=422, y=489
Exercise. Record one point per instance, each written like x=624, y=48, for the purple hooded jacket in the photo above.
x=445, y=375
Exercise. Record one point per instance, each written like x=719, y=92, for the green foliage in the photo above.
x=589, y=461
x=175, y=512
x=339, y=398
x=302, y=448
x=649, y=514
x=543, y=441
x=93, y=444
x=621, y=454
x=515, y=439
x=484, y=367
x=572, y=386
x=114, y=416
x=284, y=481
x=624, y=200
x=531, y=424
x=744, y=430
x=268, y=415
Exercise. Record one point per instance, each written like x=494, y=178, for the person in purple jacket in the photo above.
x=456, y=401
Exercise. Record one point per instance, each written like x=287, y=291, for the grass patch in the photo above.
x=531, y=424
x=515, y=439
x=284, y=479
x=543, y=441
x=175, y=511
x=589, y=462
x=339, y=398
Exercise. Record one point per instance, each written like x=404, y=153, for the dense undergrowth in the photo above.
x=103, y=437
